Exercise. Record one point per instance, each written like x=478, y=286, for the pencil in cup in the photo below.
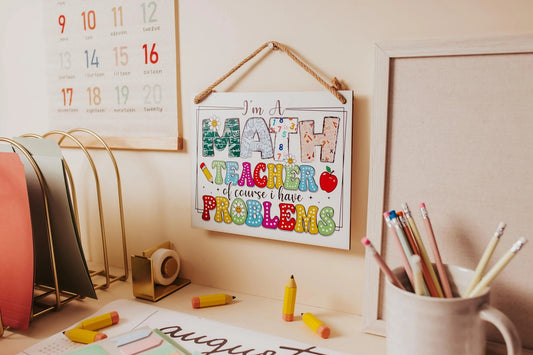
x=405, y=260
x=436, y=254
x=429, y=289
x=487, y=254
x=382, y=264
x=497, y=268
x=417, y=275
x=431, y=279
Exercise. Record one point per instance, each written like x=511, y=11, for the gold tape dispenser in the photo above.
x=155, y=273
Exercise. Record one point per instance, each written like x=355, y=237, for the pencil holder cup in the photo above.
x=443, y=326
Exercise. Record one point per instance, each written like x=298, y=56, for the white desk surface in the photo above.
x=250, y=312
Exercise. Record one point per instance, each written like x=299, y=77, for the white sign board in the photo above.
x=274, y=165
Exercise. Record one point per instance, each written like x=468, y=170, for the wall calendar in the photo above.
x=112, y=69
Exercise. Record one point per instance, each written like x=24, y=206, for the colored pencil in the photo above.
x=436, y=254
x=487, y=254
x=423, y=252
x=406, y=243
x=497, y=268
x=403, y=255
x=417, y=274
x=382, y=264
x=426, y=280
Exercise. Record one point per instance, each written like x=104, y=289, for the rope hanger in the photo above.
x=333, y=88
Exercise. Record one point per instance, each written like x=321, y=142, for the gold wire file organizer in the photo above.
x=40, y=306
x=48, y=298
x=105, y=273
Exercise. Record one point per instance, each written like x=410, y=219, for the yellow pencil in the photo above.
x=487, y=254
x=206, y=172
x=497, y=268
x=84, y=336
x=316, y=325
x=99, y=322
x=217, y=299
x=289, y=300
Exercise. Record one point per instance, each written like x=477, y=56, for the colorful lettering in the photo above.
x=291, y=177
x=285, y=221
x=222, y=210
x=255, y=217
x=238, y=211
x=231, y=137
x=282, y=127
x=209, y=204
x=218, y=165
x=306, y=222
x=232, y=177
x=256, y=126
x=246, y=175
x=275, y=172
x=267, y=221
x=327, y=225
x=307, y=178
x=327, y=140
x=260, y=181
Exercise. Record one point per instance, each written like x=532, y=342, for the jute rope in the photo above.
x=333, y=88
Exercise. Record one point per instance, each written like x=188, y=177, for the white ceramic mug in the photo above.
x=439, y=326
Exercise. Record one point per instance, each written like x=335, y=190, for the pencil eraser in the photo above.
x=323, y=331
x=287, y=317
x=392, y=214
x=99, y=336
x=114, y=317
x=195, y=302
x=365, y=241
x=386, y=214
x=399, y=213
x=422, y=205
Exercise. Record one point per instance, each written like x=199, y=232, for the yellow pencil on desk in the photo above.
x=217, y=299
x=316, y=325
x=289, y=300
x=84, y=336
x=99, y=322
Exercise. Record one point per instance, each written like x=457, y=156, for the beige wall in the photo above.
x=336, y=38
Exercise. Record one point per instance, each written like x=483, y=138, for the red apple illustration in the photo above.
x=328, y=181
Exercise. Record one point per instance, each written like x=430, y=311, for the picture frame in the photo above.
x=430, y=98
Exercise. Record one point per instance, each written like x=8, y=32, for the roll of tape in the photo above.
x=166, y=266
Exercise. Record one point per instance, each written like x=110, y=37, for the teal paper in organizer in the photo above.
x=72, y=271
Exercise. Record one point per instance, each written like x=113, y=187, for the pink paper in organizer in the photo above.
x=16, y=244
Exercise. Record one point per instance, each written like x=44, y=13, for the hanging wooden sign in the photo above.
x=274, y=165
